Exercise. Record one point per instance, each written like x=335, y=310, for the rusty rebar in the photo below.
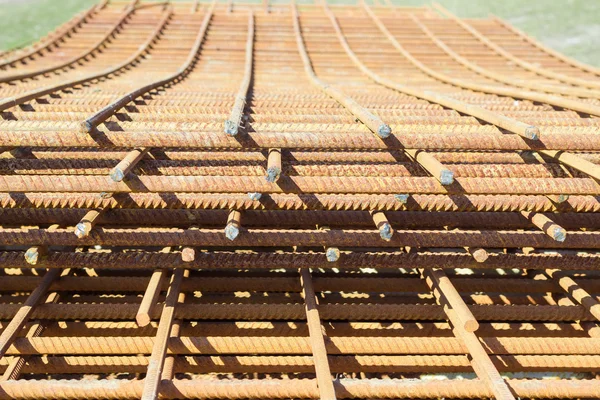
x=234, y=224
x=374, y=123
x=85, y=225
x=150, y=297
x=93, y=121
x=233, y=123
x=120, y=170
x=159, y=350
x=317, y=334
x=547, y=226
x=25, y=311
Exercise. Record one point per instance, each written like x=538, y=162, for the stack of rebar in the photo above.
x=233, y=201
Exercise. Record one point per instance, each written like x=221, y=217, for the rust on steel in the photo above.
x=90, y=123
x=25, y=311
x=232, y=124
x=95, y=47
x=317, y=332
x=271, y=200
x=159, y=350
x=150, y=297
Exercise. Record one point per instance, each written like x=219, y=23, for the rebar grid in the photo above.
x=232, y=200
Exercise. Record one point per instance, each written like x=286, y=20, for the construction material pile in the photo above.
x=297, y=201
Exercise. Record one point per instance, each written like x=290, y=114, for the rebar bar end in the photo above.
x=32, y=256
x=480, y=255
x=332, y=254
x=81, y=230
x=142, y=320
x=255, y=196
x=231, y=128
x=117, y=175
x=559, y=234
x=188, y=254
x=446, y=177
x=384, y=131
x=87, y=126
x=232, y=231
x=532, y=133
x=386, y=232
x=402, y=198
x=273, y=174
x=471, y=325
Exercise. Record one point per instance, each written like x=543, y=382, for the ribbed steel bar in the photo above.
x=496, y=76
x=33, y=236
x=503, y=91
x=374, y=123
x=511, y=57
x=298, y=184
x=296, y=388
x=85, y=225
x=273, y=345
x=233, y=123
x=223, y=284
x=150, y=298
x=448, y=297
x=54, y=38
x=291, y=168
x=36, y=93
x=294, y=312
x=297, y=140
x=317, y=337
x=93, y=121
x=339, y=202
x=25, y=311
x=159, y=350
x=304, y=364
x=129, y=162
x=96, y=46
x=423, y=259
x=575, y=291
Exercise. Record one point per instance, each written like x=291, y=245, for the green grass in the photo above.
x=23, y=22
x=569, y=26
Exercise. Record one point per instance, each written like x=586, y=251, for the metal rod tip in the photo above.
x=232, y=232
x=480, y=255
x=273, y=174
x=255, y=196
x=384, y=131
x=117, y=175
x=559, y=234
x=81, y=230
x=188, y=254
x=385, y=231
x=446, y=177
x=471, y=325
x=87, y=126
x=32, y=256
x=332, y=254
x=402, y=198
x=533, y=133
x=231, y=128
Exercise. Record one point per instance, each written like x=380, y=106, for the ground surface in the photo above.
x=570, y=26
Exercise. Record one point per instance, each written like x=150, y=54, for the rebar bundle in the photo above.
x=247, y=201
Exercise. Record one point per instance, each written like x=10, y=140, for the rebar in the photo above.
x=340, y=195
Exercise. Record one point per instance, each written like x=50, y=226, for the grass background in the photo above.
x=569, y=26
